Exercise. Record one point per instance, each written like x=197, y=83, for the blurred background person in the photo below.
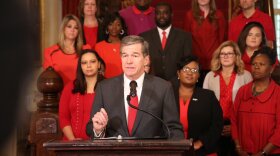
x=63, y=56
x=200, y=112
x=77, y=97
x=91, y=22
x=109, y=49
x=256, y=113
x=227, y=75
x=139, y=17
x=207, y=25
x=251, y=38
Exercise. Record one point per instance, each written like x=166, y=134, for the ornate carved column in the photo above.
x=44, y=122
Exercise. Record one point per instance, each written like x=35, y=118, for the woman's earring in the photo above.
x=122, y=32
x=107, y=32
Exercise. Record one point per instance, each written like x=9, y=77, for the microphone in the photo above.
x=132, y=93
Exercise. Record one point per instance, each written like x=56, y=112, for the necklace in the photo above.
x=255, y=92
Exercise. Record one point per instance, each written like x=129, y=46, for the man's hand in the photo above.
x=100, y=120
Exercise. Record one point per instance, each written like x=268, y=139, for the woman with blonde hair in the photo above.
x=63, y=56
x=227, y=75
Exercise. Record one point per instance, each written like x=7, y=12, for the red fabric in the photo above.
x=110, y=53
x=184, y=115
x=64, y=64
x=226, y=95
x=91, y=35
x=163, y=41
x=205, y=37
x=255, y=120
x=132, y=114
x=237, y=23
x=74, y=111
x=70, y=6
x=146, y=12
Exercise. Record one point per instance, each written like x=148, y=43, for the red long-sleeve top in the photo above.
x=255, y=120
x=74, y=111
x=206, y=37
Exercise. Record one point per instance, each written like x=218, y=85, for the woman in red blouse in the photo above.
x=109, y=49
x=200, y=112
x=256, y=113
x=227, y=75
x=91, y=21
x=251, y=38
x=77, y=97
x=63, y=56
x=208, y=28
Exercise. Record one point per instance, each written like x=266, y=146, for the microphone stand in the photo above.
x=132, y=106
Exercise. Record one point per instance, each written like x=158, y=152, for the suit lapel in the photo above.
x=144, y=101
x=156, y=40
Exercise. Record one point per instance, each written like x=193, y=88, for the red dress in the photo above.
x=110, y=53
x=206, y=37
x=255, y=120
x=74, y=111
x=64, y=64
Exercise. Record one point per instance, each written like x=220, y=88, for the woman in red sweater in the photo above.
x=208, y=26
x=109, y=49
x=255, y=117
x=77, y=97
x=63, y=56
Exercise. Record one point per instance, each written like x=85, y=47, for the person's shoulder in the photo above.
x=157, y=81
x=148, y=32
x=236, y=19
x=52, y=48
x=204, y=91
x=111, y=81
x=180, y=31
x=100, y=44
x=86, y=46
x=125, y=10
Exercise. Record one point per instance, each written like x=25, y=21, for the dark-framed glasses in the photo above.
x=223, y=55
x=190, y=70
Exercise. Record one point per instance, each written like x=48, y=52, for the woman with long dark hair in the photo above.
x=77, y=97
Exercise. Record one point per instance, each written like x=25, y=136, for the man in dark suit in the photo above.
x=111, y=114
x=167, y=44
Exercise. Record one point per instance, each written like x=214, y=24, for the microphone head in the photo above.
x=133, y=85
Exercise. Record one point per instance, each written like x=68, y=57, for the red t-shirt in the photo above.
x=74, y=111
x=205, y=37
x=110, y=53
x=237, y=23
x=91, y=35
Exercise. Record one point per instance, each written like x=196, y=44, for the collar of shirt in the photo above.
x=146, y=12
x=139, y=87
x=167, y=30
x=254, y=16
x=264, y=96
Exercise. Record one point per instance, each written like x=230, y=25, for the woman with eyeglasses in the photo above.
x=256, y=111
x=227, y=75
x=199, y=109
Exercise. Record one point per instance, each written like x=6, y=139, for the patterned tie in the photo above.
x=132, y=113
x=163, y=41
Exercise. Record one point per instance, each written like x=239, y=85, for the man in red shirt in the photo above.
x=249, y=14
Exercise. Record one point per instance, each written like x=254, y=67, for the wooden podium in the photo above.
x=121, y=147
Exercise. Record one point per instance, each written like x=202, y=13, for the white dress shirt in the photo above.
x=167, y=30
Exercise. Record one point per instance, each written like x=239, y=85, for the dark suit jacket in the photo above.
x=157, y=97
x=205, y=118
x=164, y=62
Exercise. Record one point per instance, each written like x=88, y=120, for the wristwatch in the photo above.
x=263, y=153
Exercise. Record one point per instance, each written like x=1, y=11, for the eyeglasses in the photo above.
x=192, y=70
x=223, y=55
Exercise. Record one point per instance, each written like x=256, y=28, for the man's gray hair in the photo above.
x=133, y=39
